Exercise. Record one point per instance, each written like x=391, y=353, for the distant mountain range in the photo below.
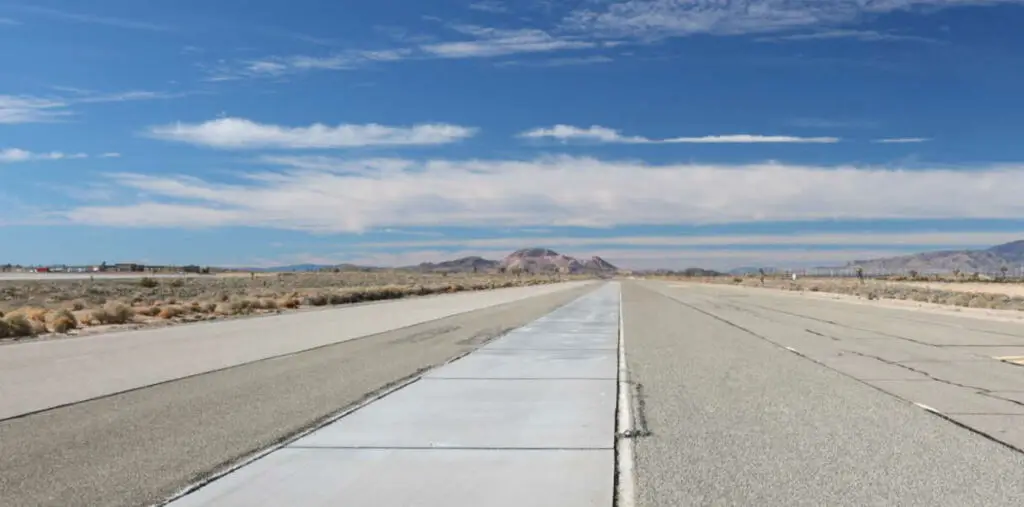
x=989, y=260
x=533, y=260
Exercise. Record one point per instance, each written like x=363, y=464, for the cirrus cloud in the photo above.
x=606, y=135
x=240, y=133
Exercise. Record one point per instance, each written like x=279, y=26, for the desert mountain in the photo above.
x=539, y=260
x=989, y=260
x=463, y=265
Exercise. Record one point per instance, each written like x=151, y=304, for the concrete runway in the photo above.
x=740, y=397
x=758, y=397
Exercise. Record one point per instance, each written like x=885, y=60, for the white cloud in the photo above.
x=490, y=42
x=345, y=195
x=483, y=42
x=15, y=109
x=489, y=6
x=860, y=35
x=111, y=155
x=654, y=18
x=240, y=133
x=902, y=140
x=91, y=18
x=607, y=135
x=963, y=239
x=557, y=62
x=11, y=155
x=9, y=21
x=26, y=109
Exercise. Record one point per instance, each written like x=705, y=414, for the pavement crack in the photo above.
x=640, y=428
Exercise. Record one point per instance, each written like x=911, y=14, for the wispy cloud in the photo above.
x=356, y=195
x=240, y=133
x=860, y=35
x=490, y=42
x=666, y=18
x=27, y=109
x=606, y=135
x=827, y=123
x=9, y=21
x=91, y=18
x=16, y=109
x=557, y=62
x=489, y=6
x=111, y=154
x=477, y=42
x=964, y=239
x=12, y=155
x=902, y=140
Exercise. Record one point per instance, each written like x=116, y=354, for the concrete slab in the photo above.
x=990, y=375
x=537, y=340
x=947, y=398
x=502, y=363
x=424, y=478
x=1008, y=429
x=869, y=368
x=530, y=414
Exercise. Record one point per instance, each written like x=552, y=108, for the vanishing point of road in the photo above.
x=621, y=393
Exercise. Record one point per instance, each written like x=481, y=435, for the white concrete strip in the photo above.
x=625, y=470
x=40, y=375
x=461, y=436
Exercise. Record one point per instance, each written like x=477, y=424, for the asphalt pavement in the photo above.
x=38, y=375
x=140, y=446
x=755, y=397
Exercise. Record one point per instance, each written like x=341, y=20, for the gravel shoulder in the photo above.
x=736, y=419
x=138, y=447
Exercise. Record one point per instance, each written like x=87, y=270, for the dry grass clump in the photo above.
x=113, y=314
x=37, y=306
x=170, y=312
x=64, y=321
x=17, y=325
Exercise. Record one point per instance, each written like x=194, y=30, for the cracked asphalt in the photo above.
x=760, y=397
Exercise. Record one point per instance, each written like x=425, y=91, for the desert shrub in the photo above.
x=149, y=311
x=737, y=279
x=64, y=321
x=171, y=312
x=115, y=314
x=18, y=325
x=177, y=282
x=268, y=304
x=149, y=283
x=316, y=300
x=78, y=306
x=289, y=303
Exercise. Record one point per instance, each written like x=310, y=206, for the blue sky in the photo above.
x=655, y=133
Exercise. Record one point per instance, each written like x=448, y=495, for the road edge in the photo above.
x=625, y=476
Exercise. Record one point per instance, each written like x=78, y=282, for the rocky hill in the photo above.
x=989, y=260
x=463, y=265
x=540, y=260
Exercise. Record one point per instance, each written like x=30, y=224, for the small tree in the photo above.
x=860, y=274
x=956, y=274
x=913, y=274
x=1003, y=271
x=760, y=272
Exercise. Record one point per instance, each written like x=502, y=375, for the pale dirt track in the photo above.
x=138, y=447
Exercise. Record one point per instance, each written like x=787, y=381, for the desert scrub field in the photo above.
x=30, y=308
x=995, y=296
